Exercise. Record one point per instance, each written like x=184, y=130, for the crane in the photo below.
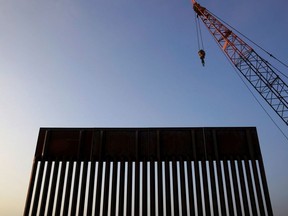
x=257, y=71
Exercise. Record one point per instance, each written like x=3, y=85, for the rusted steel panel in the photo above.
x=140, y=143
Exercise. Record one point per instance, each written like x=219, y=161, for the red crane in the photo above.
x=253, y=67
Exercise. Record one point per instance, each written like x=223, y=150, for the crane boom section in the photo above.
x=254, y=68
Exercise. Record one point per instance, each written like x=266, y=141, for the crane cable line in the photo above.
x=201, y=51
x=199, y=33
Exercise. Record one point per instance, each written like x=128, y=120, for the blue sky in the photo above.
x=96, y=63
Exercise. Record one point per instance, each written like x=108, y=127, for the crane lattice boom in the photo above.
x=254, y=68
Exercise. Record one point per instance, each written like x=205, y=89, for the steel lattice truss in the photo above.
x=254, y=68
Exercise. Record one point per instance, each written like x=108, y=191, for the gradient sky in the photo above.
x=124, y=63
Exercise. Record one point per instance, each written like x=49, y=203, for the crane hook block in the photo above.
x=202, y=54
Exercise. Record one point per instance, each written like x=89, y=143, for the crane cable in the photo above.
x=199, y=33
x=201, y=51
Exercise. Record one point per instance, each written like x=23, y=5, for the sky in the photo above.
x=96, y=63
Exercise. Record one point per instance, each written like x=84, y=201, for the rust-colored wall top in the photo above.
x=147, y=143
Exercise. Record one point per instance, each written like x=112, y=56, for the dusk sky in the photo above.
x=124, y=63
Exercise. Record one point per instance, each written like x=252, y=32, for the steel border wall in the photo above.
x=151, y=171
